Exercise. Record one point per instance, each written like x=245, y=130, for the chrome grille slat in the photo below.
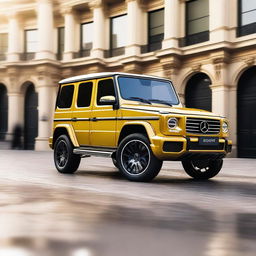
x=193, y=126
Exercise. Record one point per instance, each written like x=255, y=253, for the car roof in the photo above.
x=103, y=74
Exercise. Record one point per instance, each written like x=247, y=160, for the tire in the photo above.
x=113, y=157
x=202, y=169
x=64, y=159
x=136, y=160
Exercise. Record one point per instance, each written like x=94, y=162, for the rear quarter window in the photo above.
x=65, y=96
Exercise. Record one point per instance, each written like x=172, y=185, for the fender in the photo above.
x=71, y=133
x=148, y=127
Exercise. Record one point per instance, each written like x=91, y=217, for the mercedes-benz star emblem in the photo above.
x=204, y=127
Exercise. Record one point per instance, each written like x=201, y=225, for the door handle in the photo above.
x=74, y=119
x=94, y=119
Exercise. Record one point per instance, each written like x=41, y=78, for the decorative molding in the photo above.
x=170, y=66
x=249, y=61
x=196, y=67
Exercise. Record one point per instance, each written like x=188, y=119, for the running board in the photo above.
x=94, y=152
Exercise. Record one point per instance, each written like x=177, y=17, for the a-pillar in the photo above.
x=99, y=33
x=171, y=23
x=219, y=20
x=69, y=35
x=14, y=38
x=15, y=112
x=45, y=30
x=134, y=30
x=46, y=102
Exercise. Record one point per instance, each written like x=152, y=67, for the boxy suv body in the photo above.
x=137, y=120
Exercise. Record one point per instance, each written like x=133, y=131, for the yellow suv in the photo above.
x=138, y=121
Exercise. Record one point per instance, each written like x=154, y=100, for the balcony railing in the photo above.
x=2, y=56
x=194, y=39
x=82, y=53
x=27, y=56
x=59, y=56
x=114, y=52
x=151, y=47
x=246, y=30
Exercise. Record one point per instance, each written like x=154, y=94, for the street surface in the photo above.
x=96, y=212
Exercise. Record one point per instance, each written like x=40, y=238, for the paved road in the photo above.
x=96, y=212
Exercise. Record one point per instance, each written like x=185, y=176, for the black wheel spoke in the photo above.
x=135, y=157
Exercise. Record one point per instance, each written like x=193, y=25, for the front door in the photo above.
x=103, y=117
x=82, y=112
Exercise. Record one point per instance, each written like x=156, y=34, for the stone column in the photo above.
x=46, y=103
x=134, y=30
x=99, y=34
x=171, y=23
x=220, y=87
x=219, y=20
x=14, y=38
x=15, y=112
x=45, y=30
x=69, y=38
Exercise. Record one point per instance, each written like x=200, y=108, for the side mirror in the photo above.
x=108, y=100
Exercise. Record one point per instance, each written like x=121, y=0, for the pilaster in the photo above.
x=45, y=30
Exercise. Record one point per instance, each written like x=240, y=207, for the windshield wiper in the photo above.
x=161, y=102
x=139, y=99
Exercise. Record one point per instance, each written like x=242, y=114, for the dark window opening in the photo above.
x=197, y=22
x=65, y=96
x=246, y=17
x=84, y=95
x=61, y=40
x=155, y=30
x=3, y=45
x=118, y=37
x=105, y=88
x=31, y=42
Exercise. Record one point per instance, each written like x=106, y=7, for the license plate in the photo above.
x=208, y=141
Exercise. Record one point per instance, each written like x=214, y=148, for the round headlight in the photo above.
x=225, y=127
x=172, y=123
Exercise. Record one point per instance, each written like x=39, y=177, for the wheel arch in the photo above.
x=136, y=127
x=67, y=130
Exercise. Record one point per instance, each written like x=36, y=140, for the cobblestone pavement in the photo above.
x=96, y=212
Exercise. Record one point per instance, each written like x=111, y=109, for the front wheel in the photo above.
x=64, y=158
x=202, y=169
x=136, y=160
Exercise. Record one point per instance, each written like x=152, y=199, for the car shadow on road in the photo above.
x=245, y=188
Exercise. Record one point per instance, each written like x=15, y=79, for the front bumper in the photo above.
x=178, y=147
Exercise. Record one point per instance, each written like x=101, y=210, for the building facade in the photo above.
x=206, y=47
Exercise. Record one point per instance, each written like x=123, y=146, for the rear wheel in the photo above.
x=64, y=158
x=136, y=160
x=202, y=169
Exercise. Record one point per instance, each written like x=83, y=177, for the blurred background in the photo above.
x=206, y=47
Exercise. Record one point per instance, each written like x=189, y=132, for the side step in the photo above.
x=94, y=151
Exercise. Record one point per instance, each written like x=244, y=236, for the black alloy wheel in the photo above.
x=136, y=160
x=202, y=169
x=64, y=158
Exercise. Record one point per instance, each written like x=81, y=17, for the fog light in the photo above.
x=172, y=123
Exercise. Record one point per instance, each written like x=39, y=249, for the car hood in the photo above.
x=157, y=108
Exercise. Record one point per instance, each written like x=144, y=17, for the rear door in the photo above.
x=82, y=111
x=103, y=121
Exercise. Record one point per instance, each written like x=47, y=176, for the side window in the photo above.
x=105, y=88
x=84, y=95
x=66, y=96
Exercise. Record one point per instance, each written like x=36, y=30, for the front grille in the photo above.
x=195, y=125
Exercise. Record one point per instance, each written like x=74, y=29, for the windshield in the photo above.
x=147, y=90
